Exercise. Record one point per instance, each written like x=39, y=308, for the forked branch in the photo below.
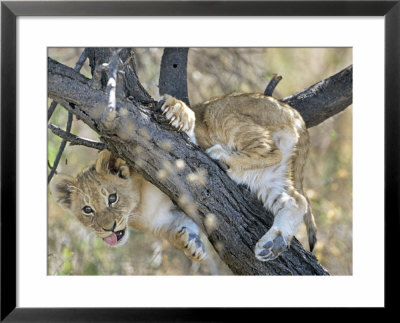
x=75, y=140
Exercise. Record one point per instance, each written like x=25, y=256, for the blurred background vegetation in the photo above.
x=72, y=250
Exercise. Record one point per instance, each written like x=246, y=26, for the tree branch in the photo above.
x=324, y=99
x=131, y=85
x=143, y=138
x=50, y=111
x=173, y=75
x=77, y=68
x=110, y=112
x=75, y=140
x=60, y=149
x=272, y=84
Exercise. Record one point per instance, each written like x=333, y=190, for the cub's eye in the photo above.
x=87, y=209
x=112, y=198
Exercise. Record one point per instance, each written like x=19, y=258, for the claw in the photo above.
x=172, y=119
x=165, y=109
x=181, y=127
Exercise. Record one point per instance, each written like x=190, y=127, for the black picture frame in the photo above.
x=10, y=10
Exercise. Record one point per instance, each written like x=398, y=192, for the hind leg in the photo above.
x=289, y=208
x=244, y=145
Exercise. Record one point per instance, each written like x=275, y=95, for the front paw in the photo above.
x=271, y=245
x=179, y=114
x=191, y=244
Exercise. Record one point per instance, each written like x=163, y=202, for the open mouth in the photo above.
x=114, y=237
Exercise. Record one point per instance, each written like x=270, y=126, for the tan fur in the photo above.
x=140, y=205
x=257, y=136
x=263, y=141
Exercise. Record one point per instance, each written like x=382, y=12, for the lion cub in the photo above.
x=265, y=143
x=109, y=196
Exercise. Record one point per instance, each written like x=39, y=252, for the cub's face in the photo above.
x=101, y=197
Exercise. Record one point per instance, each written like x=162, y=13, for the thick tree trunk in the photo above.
x=143, y=138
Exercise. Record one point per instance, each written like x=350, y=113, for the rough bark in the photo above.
x=324, y=99
x=75, y=140
x=173, y=77
x=130, y=86
x=241, y=218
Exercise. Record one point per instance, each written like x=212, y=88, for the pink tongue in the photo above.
x=111, y=240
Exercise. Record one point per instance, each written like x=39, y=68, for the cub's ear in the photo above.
x=61, y=188
x=107, y=163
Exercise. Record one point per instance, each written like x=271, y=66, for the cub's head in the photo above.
x=101, y=197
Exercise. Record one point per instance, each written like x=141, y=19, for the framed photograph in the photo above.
x=129, y=77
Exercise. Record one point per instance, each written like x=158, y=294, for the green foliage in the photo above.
x=67, y=265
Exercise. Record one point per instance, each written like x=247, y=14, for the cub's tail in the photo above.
x=311, y=227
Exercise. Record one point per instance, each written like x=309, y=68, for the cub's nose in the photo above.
x=113, y=227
